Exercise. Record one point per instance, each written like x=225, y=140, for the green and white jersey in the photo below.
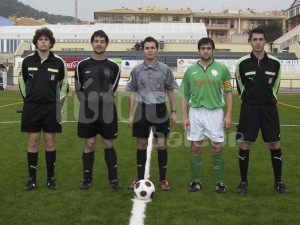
x=204, y=87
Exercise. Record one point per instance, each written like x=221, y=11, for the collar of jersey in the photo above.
x=147, y=67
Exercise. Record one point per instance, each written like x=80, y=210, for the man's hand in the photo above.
x=186, y=124
x=130, y=121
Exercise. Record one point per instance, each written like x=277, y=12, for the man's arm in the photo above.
x=64, y=85
x=78, y=85
x=171, y=96
x=23, y=80
x=229, y=104
x=185, y=113
x=131, y=106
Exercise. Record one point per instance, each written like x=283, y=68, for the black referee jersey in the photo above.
x=96, y=77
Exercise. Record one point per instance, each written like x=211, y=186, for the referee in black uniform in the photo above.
x=44, y=86
x=97, y=79
x=258, y=77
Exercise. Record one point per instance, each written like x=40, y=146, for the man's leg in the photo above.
x=32, y=159
x=88, y=162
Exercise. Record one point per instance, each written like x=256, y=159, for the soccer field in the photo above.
x=102, y=205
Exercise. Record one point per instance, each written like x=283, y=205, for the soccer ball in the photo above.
x=144, y=189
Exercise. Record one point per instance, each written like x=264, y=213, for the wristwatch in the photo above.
x=174, y=111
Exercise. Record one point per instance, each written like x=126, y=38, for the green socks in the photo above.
x=195, y=165
x=219, y=165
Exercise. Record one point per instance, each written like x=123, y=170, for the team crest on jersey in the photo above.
x=107, y=73
x=52, y=77
x=214, y=72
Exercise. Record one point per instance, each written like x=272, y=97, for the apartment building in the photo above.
x=220, y=26
x=293, y=16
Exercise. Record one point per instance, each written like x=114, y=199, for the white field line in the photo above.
x=125, y=121
x=139, y=206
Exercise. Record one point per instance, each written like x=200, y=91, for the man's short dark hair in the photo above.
x=99, y=33
x=149, y=39
x=256, y=30
x=205, y=41
x=44, y=31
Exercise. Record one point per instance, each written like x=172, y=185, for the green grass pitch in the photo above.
x=102, y=205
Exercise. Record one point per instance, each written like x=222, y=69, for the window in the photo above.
x=142, y=18
x=165, y=19
x=176, y=18
x=206, y=21
x=118, y=17
x=105, y=18
x=245, y=24
x=232, y=24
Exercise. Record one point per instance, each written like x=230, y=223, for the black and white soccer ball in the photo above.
x=144, y=190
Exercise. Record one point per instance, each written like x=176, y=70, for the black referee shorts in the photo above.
x=153, y=116
x=94, y=120
x=255, y=117
x=37, y=117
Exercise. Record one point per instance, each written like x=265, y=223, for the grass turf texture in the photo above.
x=102, y=205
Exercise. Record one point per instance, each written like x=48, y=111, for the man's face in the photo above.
x=99, y=45
x=206, y=52
x=43, y=43
x=257, y=42
x=150, y=50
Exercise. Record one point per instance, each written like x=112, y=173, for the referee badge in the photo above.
x=270, y=80
x=52, y=77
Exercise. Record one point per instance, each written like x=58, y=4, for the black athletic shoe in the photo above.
x=242, y=188
x=195, y=187
x=51, y=183
x=220, y=188
x=115, y=184
x=281, y=188
x=86, y=184
x=30, y=185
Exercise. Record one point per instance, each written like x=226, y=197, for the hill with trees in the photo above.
x=9, y=7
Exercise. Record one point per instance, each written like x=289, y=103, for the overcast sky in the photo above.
x=86, y=8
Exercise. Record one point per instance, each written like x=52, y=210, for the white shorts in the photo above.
x=206, y=123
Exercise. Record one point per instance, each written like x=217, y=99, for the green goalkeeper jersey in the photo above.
x=204, y=87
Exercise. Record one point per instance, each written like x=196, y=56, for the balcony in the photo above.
x=216, y=26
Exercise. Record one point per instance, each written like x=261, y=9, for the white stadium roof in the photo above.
x=160, y=31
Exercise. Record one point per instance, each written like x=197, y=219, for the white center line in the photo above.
x=139, y=206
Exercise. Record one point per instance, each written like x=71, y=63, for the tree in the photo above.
x=273, y=30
